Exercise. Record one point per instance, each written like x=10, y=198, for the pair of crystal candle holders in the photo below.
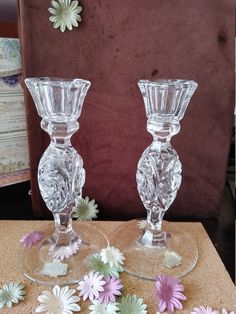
x=61, y=177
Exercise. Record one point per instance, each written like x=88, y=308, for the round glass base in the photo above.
x=43, y=264
x=146, y=261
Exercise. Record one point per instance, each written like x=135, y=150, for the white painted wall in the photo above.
x=8, y=10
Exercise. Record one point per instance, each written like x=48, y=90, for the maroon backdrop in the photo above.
x=117, y=44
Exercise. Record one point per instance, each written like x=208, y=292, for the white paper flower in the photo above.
x=85, y=209
x=110, y=308
x=65, y=14
x=142, y=224
x=59, y=301
x=203, y=310
x=113, y=256
x=11, y=293
x=224, y=311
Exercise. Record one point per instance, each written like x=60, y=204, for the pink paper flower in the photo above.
x=203, y=310
x=91, y=285
x=111, y=288
x=31, y=238
x=169, y=293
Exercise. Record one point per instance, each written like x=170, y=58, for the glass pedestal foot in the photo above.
x=42, y=263
x=147, y=261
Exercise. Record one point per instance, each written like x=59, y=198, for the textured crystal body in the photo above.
x=159, y=168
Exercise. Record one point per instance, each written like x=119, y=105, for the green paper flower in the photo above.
x=11, y=293
x=65, y=14
x=85, y=209
x=96, y=264
x=132, y=305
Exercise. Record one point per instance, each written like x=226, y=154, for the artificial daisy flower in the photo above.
x=112, y=289
x=203, y=310
x=112, y=256
x=11, y=293
x=169, y=293
x=59, y=301
x=31, y=238
x=142, y=224
x=98, y=308
x=132, y=305
x=224, y=311
x=96, y=264
x=65, y=14
x=63, y=251
x=91, y=285
x=85, y=209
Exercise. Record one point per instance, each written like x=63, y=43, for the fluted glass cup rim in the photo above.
x=57, y=81
x=166, y=100
x=165, y=83
x=58, y=99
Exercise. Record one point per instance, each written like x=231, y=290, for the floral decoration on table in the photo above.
x=209, y=310
x=95, y=263
x=112, y=256
x=98, y=308
x=142, y=224
x=85, y=209
x=132, y=304
x=65, y=14
x=169, y=293
x=59, y=301
x=91, y=285
x=32, y=238
x=103, y=288
x=11, y=293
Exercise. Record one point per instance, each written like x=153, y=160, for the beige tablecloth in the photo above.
x=208, y=284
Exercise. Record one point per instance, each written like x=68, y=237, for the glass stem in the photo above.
x=64, y=233
x=154, y=226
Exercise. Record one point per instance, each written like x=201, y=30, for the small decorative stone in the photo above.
x=55, y=269
x=172, y=259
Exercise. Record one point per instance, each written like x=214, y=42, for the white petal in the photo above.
x=73, y=307
x=53, y=11
x=40, y=308
x=43, y=298
x=62, y=27
x=56, y=291
x=55, y=4
x=74, y=23
x=57, y=24
x=53, y=18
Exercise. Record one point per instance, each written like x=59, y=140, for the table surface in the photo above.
x=208, y=284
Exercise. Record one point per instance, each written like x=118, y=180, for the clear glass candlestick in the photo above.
x=159, y=248
x=61, y=177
